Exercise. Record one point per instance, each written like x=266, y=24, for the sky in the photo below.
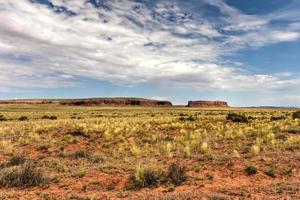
x=240, y=51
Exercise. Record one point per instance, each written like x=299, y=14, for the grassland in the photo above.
x=61, y=152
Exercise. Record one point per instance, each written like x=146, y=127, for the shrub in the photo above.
x=270, y=173
x=250, y=170
x=23, y=118
x=80, y=154
x=251, y=118
x=209, y=176
x=16, y=160
x=2, y=118
x=145, y=177
x=77, y=132
x=68, y=139
x=296, y=115
x=25, y=175
x=176, y=174
x=96, y=159
x=189, y=118
x=170, y=188
x=288, y=172
x=49, y=117
x=293, y=131
x=276, y=118
x=234, y=117
x=43, y=147
x=52, y=117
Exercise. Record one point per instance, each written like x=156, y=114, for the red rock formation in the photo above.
x=204, y=104
x=28, y=101
x=93, y=102
x=115, y=102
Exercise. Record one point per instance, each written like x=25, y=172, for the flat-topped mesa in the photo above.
x=118, y=101
x=115, y=102
x=203, y=104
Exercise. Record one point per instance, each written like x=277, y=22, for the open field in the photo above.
x=63, y=152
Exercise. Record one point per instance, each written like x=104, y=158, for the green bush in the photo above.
x=250, y=170
x=296, y=115
x=234, y=117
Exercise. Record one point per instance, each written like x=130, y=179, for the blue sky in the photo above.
x=243, y=52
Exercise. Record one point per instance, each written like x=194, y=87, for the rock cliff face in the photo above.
x=115, y=102
x=204, y=104
x=122, y=101
x=28, y=101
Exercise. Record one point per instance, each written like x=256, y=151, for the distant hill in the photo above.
x=273, y=107
x=204, y=104
x=117, y=101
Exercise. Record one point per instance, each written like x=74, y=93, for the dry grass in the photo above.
x=92, y=152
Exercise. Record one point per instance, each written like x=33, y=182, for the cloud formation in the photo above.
x=132, y=42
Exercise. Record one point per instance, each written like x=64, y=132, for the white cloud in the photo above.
x=131, y=44
x=285, y=36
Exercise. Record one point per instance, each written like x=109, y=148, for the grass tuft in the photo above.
x=176, y=174
x=145, y=177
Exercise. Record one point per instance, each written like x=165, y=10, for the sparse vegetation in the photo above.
x=189, y=118
x=176, y=174
x=276, y=118
x=239, y=118
x=250, y=170
x=296, y=115
x=145, y=177
x=2, y=118
x=16, y=160
x=271, y=173
x=25, y=175
x=49, y=117
x=131, y=151
x=23, y=118
x=80, y=154
x=77, y=132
